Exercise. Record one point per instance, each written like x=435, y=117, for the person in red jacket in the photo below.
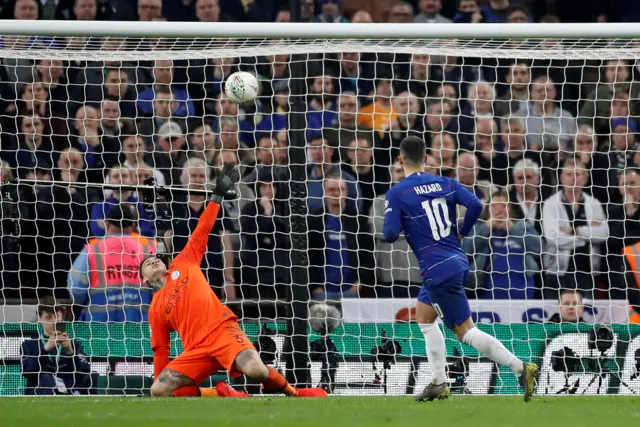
x=210, y=334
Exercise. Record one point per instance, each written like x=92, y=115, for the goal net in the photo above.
x=543, y=130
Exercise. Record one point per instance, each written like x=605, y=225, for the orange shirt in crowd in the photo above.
x=377, y=117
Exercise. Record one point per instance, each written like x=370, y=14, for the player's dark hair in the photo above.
x=413, y=150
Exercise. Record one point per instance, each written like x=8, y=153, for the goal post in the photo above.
x=506, y=109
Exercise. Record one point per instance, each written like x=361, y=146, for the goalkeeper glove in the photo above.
x=226, y=179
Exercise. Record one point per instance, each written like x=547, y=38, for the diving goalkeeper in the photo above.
x=212, y=339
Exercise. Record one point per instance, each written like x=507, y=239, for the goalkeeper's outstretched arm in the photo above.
x=196, y=247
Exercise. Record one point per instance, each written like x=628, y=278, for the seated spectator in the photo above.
x=470, y=13
x=409, y=122
x=209, y=10
x=624, y=224
x=62, y=220
x=348, y=127
x=570, y=309
x=319, y=167
x=52, y=73
x=225, y=109
x=279, y=111
x=104, y=280
x=549, y=127
x=169, y=153
x=202, y=142
x=480, y=97
x=149, y=10
x=596, y=110
x=443, y=149
x=120, y=175
x=265, y=244
x=117, y=87
x=439, y=118
x=608, y=166
x=321, y=110
x=380, y=113
x=354, y=76
x=265, y=155
x=134, y=153
x=229, y=139
x=110, y=117
x=217, y=264
x=574, y=226
x=206, y=80
x=330, y=12
x=430, y=13
x=418, y=81
x=526, y=193
x=340, y=245
x=518, y=79
x=517, y=14
x=372, y=180
x=502, y=250
x=34, y=149
x=163, y=76
x=397, y=270
x=586, y=144
x=467, y=175
x=53, y=363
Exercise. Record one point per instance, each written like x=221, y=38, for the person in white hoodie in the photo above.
x=574, y=225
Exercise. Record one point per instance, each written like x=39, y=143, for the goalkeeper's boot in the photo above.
x=527, y=380
x=225, y=390
x=310, y=392
x=433, y=392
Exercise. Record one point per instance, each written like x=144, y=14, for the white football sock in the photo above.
x=493, y=349
x=436, y=351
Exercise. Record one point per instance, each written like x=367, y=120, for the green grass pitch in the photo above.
x=459, y=411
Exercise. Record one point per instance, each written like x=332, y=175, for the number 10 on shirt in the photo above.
x=438, y=215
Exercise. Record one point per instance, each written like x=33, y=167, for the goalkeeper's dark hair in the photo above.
x=413, y=150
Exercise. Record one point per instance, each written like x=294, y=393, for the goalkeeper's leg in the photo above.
x=249, y=363
x=172, y=383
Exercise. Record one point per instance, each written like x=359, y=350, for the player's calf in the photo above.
x=168, y=382
x=249, y=363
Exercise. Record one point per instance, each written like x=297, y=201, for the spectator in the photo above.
x=372, y=179
x=116, y=86
x=348, y=127
x=340, y=245
x=526, y=194
x=503, y=253
x=110, y=117
x=265, y=244
x=379, y=114
x=119, y=175
x=104, y=277
x=228, y=138
x=397, y=271
x=570, y=309
x=585, y=143
x=34, y=149
x=206, y=81
x=169, y=153
x=624, y=224
x=596, y=110
x=470, y=13
x=85, y=10
x=163, y=75
x=202, y=142
x=149, y=10
x=361, y=17
x=518, y=79
x=608, y=166
x=400, y=12
x=418, y=81
x=492, y=160
x=480, y=97
x=226, y=109
x=321, y=110
x=517, y=14
x=320, y=165
x=25, y=9
x=467, y=175
x=217, y=263
x=53, y=363
x=354, y=76
x=52, y=73
x=208, y=10
x=133, y=151
x=443, y=149
x=574, y=225
x=409, y=122
x=62, y=219
x=331, y=12
x=549, y=127
x=430, y=13
x=266, y=162
x=439, y=117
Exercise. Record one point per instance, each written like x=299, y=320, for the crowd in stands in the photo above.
x=549, y=145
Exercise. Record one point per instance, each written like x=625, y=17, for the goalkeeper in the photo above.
x=210, y=334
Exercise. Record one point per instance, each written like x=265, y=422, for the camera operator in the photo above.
x=53, y=363
x=570, y=308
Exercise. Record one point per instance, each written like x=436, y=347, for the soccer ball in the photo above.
x=241, y=87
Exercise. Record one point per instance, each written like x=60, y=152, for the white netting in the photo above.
x=504, y=117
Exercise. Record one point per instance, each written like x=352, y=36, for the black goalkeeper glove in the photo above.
x=226, y=179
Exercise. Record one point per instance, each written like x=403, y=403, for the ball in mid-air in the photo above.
x=241, y=87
